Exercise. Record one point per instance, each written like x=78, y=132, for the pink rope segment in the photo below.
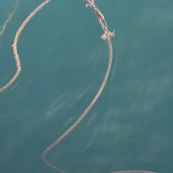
x=14, y=46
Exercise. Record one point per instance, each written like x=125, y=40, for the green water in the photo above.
x=63, y=63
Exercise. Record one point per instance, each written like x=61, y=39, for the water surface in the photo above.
x=63, y=63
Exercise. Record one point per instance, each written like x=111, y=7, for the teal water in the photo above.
x=63, y=63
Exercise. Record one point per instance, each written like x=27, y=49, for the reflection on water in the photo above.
x=11, y=14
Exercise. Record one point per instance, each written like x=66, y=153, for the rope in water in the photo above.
x=49, y=148
x=106, y=36
x=14, y=46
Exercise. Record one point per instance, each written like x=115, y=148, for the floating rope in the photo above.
x=14, y=46
x=106, y=36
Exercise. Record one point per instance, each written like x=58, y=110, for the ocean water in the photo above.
x=63, y=64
